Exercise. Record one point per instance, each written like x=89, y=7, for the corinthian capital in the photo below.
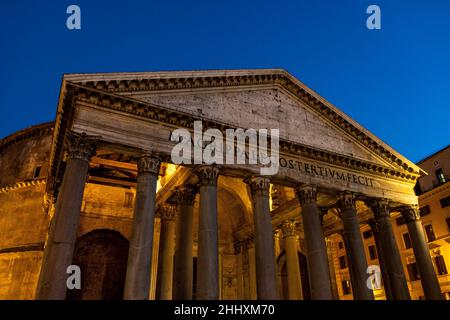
x=410, y=213
x=289, y=228
x=149, y=163
x=207, y=175
x=380, y=208
x=347, y=201
x=167, y=212
x=185, y=195
x=258, y=185
x=80, y=146
x=307, y=194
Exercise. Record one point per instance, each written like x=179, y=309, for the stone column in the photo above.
x=316, y=251
x=166, y=252
x=292, y=264
x=137, y=281
x=389, y=250
x=334, y=289
x=355, y=247
x=381, y=259
x=264, y=251
x=430, y=283
x=63, y=229
x=183, y=261
x=208, y=259
x=277, y=251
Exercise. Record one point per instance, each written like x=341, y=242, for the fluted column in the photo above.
x=355, y=247
x=381, y=259
x=316, y=251
x=166, y=252
x=137, y=281
x=292, y=264
x=208, y=259
x=62, y=234
x=389, y=250
x=430, y=283
x=265, y=264
x=183, y=267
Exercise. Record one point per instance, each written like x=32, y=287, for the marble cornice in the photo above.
x=185, y=120
x=275, y=77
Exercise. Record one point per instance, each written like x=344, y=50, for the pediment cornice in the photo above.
x=123, y=83
x=78, y=94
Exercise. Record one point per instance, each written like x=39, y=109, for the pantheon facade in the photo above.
x=97, y=188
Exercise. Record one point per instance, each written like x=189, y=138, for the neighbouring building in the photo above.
x=98, y=189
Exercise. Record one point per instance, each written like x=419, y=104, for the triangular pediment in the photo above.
x=270, y=99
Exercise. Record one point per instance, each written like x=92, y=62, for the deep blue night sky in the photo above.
x=394, y=81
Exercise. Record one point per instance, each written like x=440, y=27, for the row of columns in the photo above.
x=62, y=236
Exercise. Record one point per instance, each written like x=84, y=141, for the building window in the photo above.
x=430, y=233
x=37, y=172
x=346, y=288
x=406, y=240
x=448, y=223
x=342, y=262
x=440, y=176
x=367, y=234
x=425, y=211
x=445, y=202
x=440, y=265
x=128, y=201
x=341, y=245
x=413, y=271
x=400, y=221
x=372, y=252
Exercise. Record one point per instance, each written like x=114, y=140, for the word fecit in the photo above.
x=209, y=147
x=322, y=171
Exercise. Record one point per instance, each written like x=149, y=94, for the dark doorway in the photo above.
x=102, y=257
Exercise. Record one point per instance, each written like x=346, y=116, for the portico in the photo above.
x=225, y=215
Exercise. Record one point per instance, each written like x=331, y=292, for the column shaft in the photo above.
x=292, y=264
x=166, y=252
x=334, y=289
x=316, y=251
x=62, y=234
x=208, y=259
x=389, y=251
x=264, y=250
x=430, y=283
x=137, y=281
x=355, y=247
x=183, y=261
x=381, y=259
